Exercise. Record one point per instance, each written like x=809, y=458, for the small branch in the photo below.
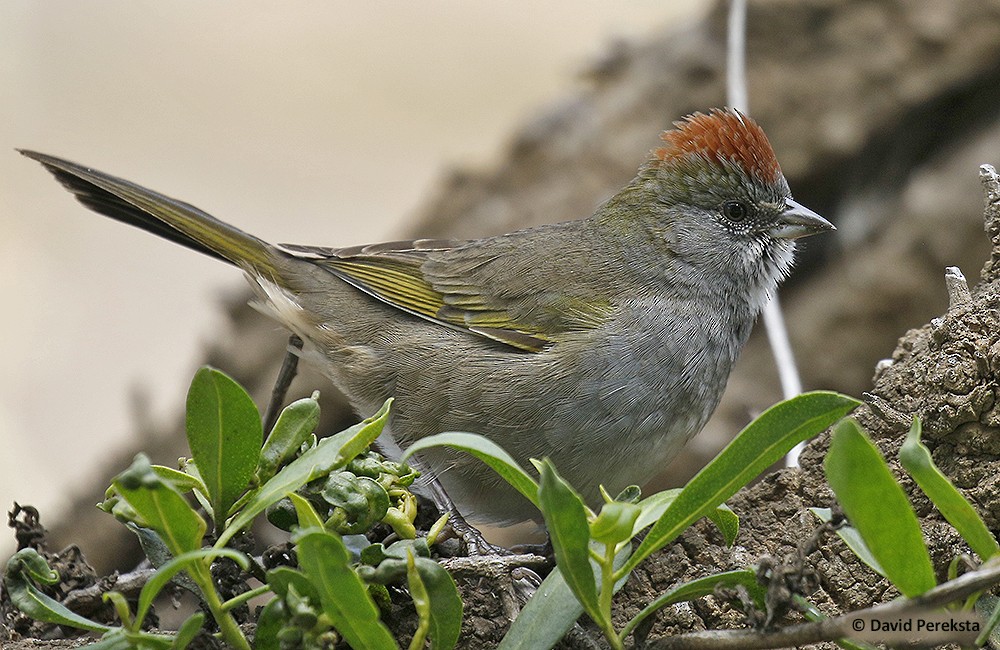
x=512, y=577
x=89, y=599
x=736, y=77
x=493, y=566
x=774, y=321
x=839, y=627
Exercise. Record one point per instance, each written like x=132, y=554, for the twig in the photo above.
x=839, y=627
x=289, y=368
x=736, y=77
x=89, y=599
x=774, y=321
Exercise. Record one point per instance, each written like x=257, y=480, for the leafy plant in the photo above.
x=884, y=532
x=594, y=554
x=328, y=492
x=235, y=476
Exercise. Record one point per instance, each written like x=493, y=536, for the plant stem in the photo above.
x=607, y=593
x=238, y=600
x=202, y=576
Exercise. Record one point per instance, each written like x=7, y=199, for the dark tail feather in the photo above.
x=161, y=215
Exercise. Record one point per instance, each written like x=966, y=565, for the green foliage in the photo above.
x=761, y=444
x=853, y=539
x=877, y=507
x=370, y=490
x=235, y=476
x=487, y=451
x=328, y=455
x=916, y=460
x=24, y=570
x=324, y=560
x=323, y=489
x=593, y=551
x=885, y=533
x=224, y=434
x=160, y=507
x=566, y=520
x=706, y=586
x=294, y=426
x=440, y=606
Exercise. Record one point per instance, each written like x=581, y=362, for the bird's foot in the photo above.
x=474, y=544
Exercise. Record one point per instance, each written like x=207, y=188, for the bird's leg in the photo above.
x=289, y=368
x=473, y=542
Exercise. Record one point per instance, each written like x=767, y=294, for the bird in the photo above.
x=603, y=344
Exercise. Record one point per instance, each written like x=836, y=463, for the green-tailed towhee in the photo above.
x=604, y=343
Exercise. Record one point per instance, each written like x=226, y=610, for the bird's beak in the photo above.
x=799, y=221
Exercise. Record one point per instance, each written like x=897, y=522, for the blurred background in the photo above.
x=326, y=125
x=346, y=124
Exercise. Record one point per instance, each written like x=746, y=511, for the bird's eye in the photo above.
x=735, y=211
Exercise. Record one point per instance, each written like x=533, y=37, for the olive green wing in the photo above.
x=462, y=285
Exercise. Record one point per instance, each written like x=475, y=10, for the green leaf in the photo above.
x=851, y=537
x=304, y=511
x=358, y=503
x=120, y=606
x=421, y=603
x=551, y=611
x=629, y=494
x=323, y=558
x=188, y=631
x=876, y=505
x=726, y=521
x=614, y=523
x=295, y=423
x=225, y=433
x=161, y=507
x=445, y=603
x=916, y=460
x=189, y=467
x=118, y=639
x=183, y=481
x=487, y=451
x=655, y=505
x=280, y=578
x=698, y=588
x=762, y=443
x=269, y=623
x=652, y=508
x=165, y=573
x=566, y=520
x=330, y=454
x=546, y=618
x=27, y=564
x=366, y=435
